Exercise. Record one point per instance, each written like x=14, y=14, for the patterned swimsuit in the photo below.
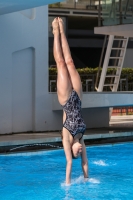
x=74, y=122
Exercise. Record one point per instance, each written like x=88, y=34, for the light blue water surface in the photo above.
x=41, y=175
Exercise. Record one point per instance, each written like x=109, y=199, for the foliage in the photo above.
x=57, y=5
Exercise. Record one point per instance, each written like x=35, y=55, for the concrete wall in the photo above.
x=24, y=72
x=25, y=103
x=96, y=117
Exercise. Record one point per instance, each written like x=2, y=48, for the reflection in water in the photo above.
x=68, y=194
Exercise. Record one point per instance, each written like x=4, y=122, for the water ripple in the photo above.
x=100, y=162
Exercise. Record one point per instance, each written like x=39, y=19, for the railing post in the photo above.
x=99, y=14
x=127, y=83
x=127, y=110
x=75, y=2
x=120, y=10
x=100, y=63
x=126, y=9
x=105, y=64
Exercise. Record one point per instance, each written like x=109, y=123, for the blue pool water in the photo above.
x=41, y=175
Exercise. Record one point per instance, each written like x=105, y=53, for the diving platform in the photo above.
x=99, y=100
x=125, y=30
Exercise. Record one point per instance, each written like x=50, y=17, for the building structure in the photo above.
x=80, y=19
x=25, y=102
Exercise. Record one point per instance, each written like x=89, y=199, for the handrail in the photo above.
x=118, y=13
x=124, y=84
x=126, y=9
x=110, y=12
x=100, y=63
x=116, y=60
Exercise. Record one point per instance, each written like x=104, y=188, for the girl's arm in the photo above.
x=84, y=159
x=67, y=149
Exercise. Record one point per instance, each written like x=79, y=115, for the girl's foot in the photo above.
x=61, y=25
x=55, y=25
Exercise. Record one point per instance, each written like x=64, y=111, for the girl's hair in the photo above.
x=73, y=157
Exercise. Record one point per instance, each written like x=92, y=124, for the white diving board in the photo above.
x=100, y=100
x=118, y=30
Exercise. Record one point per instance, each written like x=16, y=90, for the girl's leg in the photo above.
x=64, y=86
x=74, y=76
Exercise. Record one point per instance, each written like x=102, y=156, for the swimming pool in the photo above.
x=41, y=175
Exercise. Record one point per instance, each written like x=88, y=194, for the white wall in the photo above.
x=23, y=71
x=23, y=63
x=25, y=103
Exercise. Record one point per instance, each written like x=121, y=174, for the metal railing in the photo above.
x=110, y=12
x=78, y=4
x=88, y=83
x=100, y=62
x=117, y=12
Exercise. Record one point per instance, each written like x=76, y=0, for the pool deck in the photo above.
x=120, y=127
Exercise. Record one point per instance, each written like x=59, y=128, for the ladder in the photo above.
x=113, y=61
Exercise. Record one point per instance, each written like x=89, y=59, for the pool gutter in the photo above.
x=41, y=140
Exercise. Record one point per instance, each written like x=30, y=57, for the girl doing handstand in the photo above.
x=69, y=91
